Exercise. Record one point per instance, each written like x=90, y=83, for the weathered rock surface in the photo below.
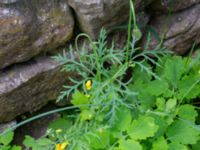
x=8, y=125
x=180, y=31
x=7, y=1
x=172, y=5
x=92, y=15
x=36, y=128
x=27, y=87
x=28, y=28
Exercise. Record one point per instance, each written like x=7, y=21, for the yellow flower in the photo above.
x=62, y=146
x=88, y=85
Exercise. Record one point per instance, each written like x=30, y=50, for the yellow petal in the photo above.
x=58, y=147
x=88, y=85
x=64, y=145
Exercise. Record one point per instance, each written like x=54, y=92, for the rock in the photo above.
x=7, y=1
x=31, y=27
x=172, y=5
x=8, y=125
x=28, y=87
x=92, y=15
x=36, y=128
x=180, y=31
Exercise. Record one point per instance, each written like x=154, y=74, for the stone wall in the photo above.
x=30, y=29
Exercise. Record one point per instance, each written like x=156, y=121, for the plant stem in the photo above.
x=129, y=33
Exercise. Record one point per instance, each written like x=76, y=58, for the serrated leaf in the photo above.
x=177, y=146
x=162, y=124
x=157, y=87
x=99, y=139
x=29, y=142
x=182, y=132
x=78, y=99
x=123, y=120
x=141, y=75
x=129, y=145
x=173, y=69
x=147, y=100
x=160, y=144
x=187, y=112
x=86, y=115
x=16, y=147
x=188, y=87
x=142, y=128
x=6, y=138
x=168, y=93
x=60, y=123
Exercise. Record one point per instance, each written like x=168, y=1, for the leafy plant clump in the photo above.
x=154, y=110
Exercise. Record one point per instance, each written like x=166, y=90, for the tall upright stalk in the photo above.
x=132, y=18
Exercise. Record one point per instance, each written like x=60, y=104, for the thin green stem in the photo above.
x=42, y=115
x=129, y=33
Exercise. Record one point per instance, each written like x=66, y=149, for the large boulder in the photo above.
x=29, y=86
x=179, y=31
x=172, y=5
x=7, y=1
x=29, y=27
x=92, y=15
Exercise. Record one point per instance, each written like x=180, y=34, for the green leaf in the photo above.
x=187, y=112
x=177, y=146
x=60, y=123
x=16, y=148
x=196, y=146
x=157, y=87
x=138, y=73
x=147, y=100
x=174, y=69
x=124, y=119
x=29, y=142
x=162, y=123
x=129, y=145
x=160, y=144
x=6, y=138
x=182, y=132
x=142, y=128
x=79, y=98
x=99, y=139
x=44, y=142
x=171, y=104
x=86, y=115
x=5, y=147
x=160, y=103
x=188, y=87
